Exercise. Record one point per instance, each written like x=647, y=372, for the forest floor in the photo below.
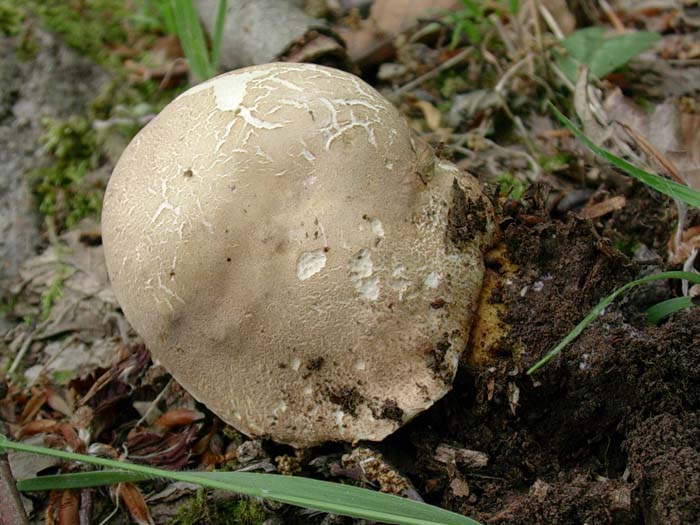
x=607, y=432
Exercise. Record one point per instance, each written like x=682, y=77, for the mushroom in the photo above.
x=294, y=255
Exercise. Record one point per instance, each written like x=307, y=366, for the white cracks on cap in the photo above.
x=162, y=293
x=165, y=205
x=295, y=363
x=271, y=86
x=334, y=129
x=310, y=263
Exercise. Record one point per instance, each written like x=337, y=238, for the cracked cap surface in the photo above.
x=293, y=256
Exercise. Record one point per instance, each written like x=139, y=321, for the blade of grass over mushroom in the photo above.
x=303, y=492
x=191, y=36
x=660, y=311
x=218, y=35
x=693, y=277
x=668, y=187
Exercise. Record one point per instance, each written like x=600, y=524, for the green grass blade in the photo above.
x=191, y=36
x=693, y=277
x=80, y=480
x=166, y=13
x=665, y=308
x=314, y=494
x=218, y=35
x=663, y=185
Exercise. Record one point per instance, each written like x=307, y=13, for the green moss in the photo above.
x=60, y=186
x=90, y=27
x=235, y=512
x=627, y=246
x=28, y=47
x=10, y=18
x=52, y=294
x=554, y=163
x=510, y=186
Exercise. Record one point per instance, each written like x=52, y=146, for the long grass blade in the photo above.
x=693, y=277
x=314, y=494
x=218, y=35
x=663, y=185
x=80, y=480
x=192, y=39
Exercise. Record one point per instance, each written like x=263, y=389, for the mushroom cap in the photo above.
x=296, y=259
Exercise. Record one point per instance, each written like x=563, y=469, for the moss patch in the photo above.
x=60, y=186
x=91, y=27
x=200, y=511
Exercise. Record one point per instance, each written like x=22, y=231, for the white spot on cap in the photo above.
x=310, y=263
x=360, y=364
x=432, y=281
x=338, y=415
x=295, y=363
x=377, y=227
x=360, y=269
x=308, y=390
x=229, y=90
x=280, y=406
x=360, y=265
x=368, y=288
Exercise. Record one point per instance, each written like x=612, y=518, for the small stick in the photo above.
x=11, y=507
x=447, y=64
x=614, y=19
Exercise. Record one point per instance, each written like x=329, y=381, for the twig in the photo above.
x=22, y=352
x=534, y=8
x=551, y=22
x=614, y=19
x=689, y=266
x=154, y=403
x=447, y=64
x=502, y=34
x=11, y=507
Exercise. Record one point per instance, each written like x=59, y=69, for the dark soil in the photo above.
x=606, y=433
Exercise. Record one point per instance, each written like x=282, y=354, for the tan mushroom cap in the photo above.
x=286, y=250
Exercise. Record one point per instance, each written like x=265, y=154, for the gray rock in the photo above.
x=56, y=83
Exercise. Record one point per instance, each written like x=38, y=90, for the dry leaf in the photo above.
x=599, y=209
x=134, y=502
x=68, y=506
x=459, y=487
x=395, y=16
x=432, y=115
x=178, y=417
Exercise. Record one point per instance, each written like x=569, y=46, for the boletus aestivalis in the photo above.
x=294, y=255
